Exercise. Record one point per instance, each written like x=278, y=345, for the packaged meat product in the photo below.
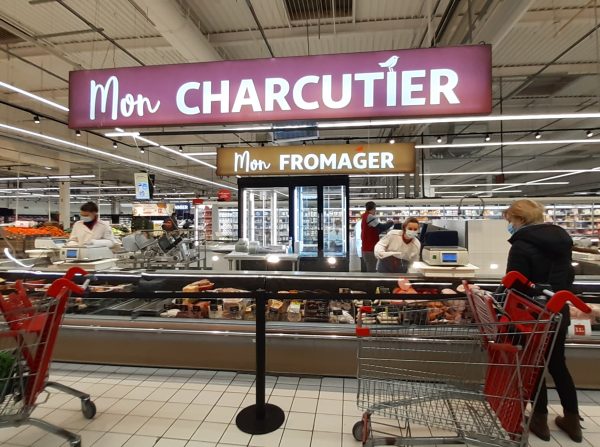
x=198, y=286
x=215, y=311
x=294, y=312
x=316, y=311
x=250, y=312
x=233, y=308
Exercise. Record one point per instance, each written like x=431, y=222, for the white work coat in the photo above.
x=100, y=234
x=392, y=244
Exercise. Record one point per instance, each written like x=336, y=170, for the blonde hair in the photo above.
x=528, y=211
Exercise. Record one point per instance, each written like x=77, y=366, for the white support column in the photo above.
x=64, y=200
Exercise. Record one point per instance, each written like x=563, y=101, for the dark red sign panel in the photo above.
x=393, y=84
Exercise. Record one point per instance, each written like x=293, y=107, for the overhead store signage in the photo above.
x=399, y=83
x=152, y=209
x=317, y=159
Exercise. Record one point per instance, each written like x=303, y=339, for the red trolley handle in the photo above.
x=62, y=283
x=74, y=271
x=556, y=300
x=560, y=298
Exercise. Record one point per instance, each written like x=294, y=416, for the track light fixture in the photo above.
x=439, y=139
x=115, y=144
x=487, y=137
x=36, y=119
x=538, y=135
x=180, y=148
x=77, y=133
x=589, y=133
x=142, y=150
x=392, y=141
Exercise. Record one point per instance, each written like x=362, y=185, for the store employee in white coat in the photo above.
x=90, y=230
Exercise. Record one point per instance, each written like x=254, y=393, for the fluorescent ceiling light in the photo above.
x=541, y=171
x=201, y=154
x=122, y=134
x=457, y=119
x=34, y=96
x=483, y=192
x=136, y=136
x=114, y=156
x=509, y=143
x=487, y=185
x=368, y=186
x=50, y=177
x=184, y=155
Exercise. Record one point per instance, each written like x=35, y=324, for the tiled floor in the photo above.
x=148, y=407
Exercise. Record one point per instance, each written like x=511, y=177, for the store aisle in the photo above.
x=150, y=407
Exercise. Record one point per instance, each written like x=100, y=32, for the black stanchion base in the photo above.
x=248, y=422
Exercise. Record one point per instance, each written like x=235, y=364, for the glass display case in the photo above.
x=146, y=318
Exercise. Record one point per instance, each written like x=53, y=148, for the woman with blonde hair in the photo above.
x=542, y=252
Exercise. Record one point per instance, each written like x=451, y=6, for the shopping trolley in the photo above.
x=469, y=382
x=27, y=337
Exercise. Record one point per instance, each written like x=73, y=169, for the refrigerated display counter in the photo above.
x=144, y=318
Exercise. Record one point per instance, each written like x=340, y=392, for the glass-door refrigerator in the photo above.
x=312, y=211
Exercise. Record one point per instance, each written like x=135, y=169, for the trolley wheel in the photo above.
x=88, y=408
x=357, y=430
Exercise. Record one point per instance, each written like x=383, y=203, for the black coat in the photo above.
x=543, y=254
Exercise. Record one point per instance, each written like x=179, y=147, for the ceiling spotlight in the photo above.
x=77, y=133
x=392, y=141
x=538, y=135
x=180, y=148
x=48, y=168
x=487, y=137
x=36, y=119
x=439, y=139
x=589, y=134
x=114, y=145
x=142, y=150
x=347, y=141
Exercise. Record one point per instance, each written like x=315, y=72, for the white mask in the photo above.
x=87, y=219
x=411, y=234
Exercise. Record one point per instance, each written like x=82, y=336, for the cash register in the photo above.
x=440, y=256
x=85, y=254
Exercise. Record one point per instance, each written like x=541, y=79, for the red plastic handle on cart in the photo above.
x=62, y=283
x=363, y=331
x=514, y=278
x=559, y=299
x=74, y=271
x=366, y=309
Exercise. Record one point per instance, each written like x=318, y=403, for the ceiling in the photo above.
x=546, y=59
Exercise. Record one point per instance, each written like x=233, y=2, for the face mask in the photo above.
x=511, y=229
x=87, y=219
x=411, y=234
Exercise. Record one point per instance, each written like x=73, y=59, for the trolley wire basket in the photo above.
x=28, y=334
x=469, y=382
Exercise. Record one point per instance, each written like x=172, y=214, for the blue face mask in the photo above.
x=511, y=229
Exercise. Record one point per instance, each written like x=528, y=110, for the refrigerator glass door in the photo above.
x=265, y=214
x=335, y=221
x=307, y=220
